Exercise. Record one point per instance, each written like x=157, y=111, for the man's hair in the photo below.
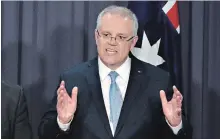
x=119, y=10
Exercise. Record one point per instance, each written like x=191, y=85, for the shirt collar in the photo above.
x=123, y=70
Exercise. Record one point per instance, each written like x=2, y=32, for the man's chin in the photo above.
x=112, y=64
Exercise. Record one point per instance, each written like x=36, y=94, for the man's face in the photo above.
x=114, y=52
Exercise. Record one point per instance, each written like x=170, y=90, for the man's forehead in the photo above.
x=116, y=22
x=109, y=16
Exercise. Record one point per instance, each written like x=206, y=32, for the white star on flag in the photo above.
x=148, y=53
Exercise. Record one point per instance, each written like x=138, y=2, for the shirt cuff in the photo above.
x=176, y=128
x=64, y=127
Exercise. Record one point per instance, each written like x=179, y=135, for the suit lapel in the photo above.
x=134, y=89
x=95, y=87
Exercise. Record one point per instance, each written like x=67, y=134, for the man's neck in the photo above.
x=113, y=66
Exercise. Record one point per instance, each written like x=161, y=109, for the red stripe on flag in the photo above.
x=173, y=15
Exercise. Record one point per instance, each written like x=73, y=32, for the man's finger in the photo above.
x=178, y=93
x=63, y=90
x=59, y=102
x=179, y=105
x=62, y=87
x=62, y=83
x=179, y=111
x=179, y=98
x=63, y=97
x=174, y=95
x=59, y=95
x=163, y=97
x=179, y=101
x=58, y=90
x=74, y=93
x=175, y=89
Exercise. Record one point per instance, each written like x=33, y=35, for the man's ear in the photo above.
x=95, y=33
x=133, y=42
x=96, y=36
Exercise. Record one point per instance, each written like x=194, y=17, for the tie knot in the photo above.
x=113, y=75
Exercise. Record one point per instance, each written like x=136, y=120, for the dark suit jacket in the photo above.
x=141, y=116
x=14, y=114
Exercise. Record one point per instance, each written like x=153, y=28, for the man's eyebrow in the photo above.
x=122, y=34
x=106, y=32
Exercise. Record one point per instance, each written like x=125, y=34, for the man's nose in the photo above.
x=113, y=41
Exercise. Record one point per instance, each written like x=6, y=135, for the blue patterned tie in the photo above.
x=115, y=99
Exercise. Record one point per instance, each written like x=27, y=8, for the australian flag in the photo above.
x=159, y=36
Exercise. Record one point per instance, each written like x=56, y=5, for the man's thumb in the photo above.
x=163, y=97
x=74, y=93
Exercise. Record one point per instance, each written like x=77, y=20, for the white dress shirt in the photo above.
x=122, y=82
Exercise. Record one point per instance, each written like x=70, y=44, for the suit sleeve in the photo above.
x=49, y=128
x=22, y=126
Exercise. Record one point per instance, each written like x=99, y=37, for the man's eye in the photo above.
x=121, y=37
x=106, y=35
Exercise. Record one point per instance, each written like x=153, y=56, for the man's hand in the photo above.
x=66, y=105
x=172, y=109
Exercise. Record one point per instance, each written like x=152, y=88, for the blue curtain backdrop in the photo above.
x=41, y=39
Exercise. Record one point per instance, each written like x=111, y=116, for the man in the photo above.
x=114, y=96
x=14, y=114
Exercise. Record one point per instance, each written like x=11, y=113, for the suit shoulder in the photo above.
x=11, y=93
x=80, y=68
x=8, y=87
x=155, y=71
